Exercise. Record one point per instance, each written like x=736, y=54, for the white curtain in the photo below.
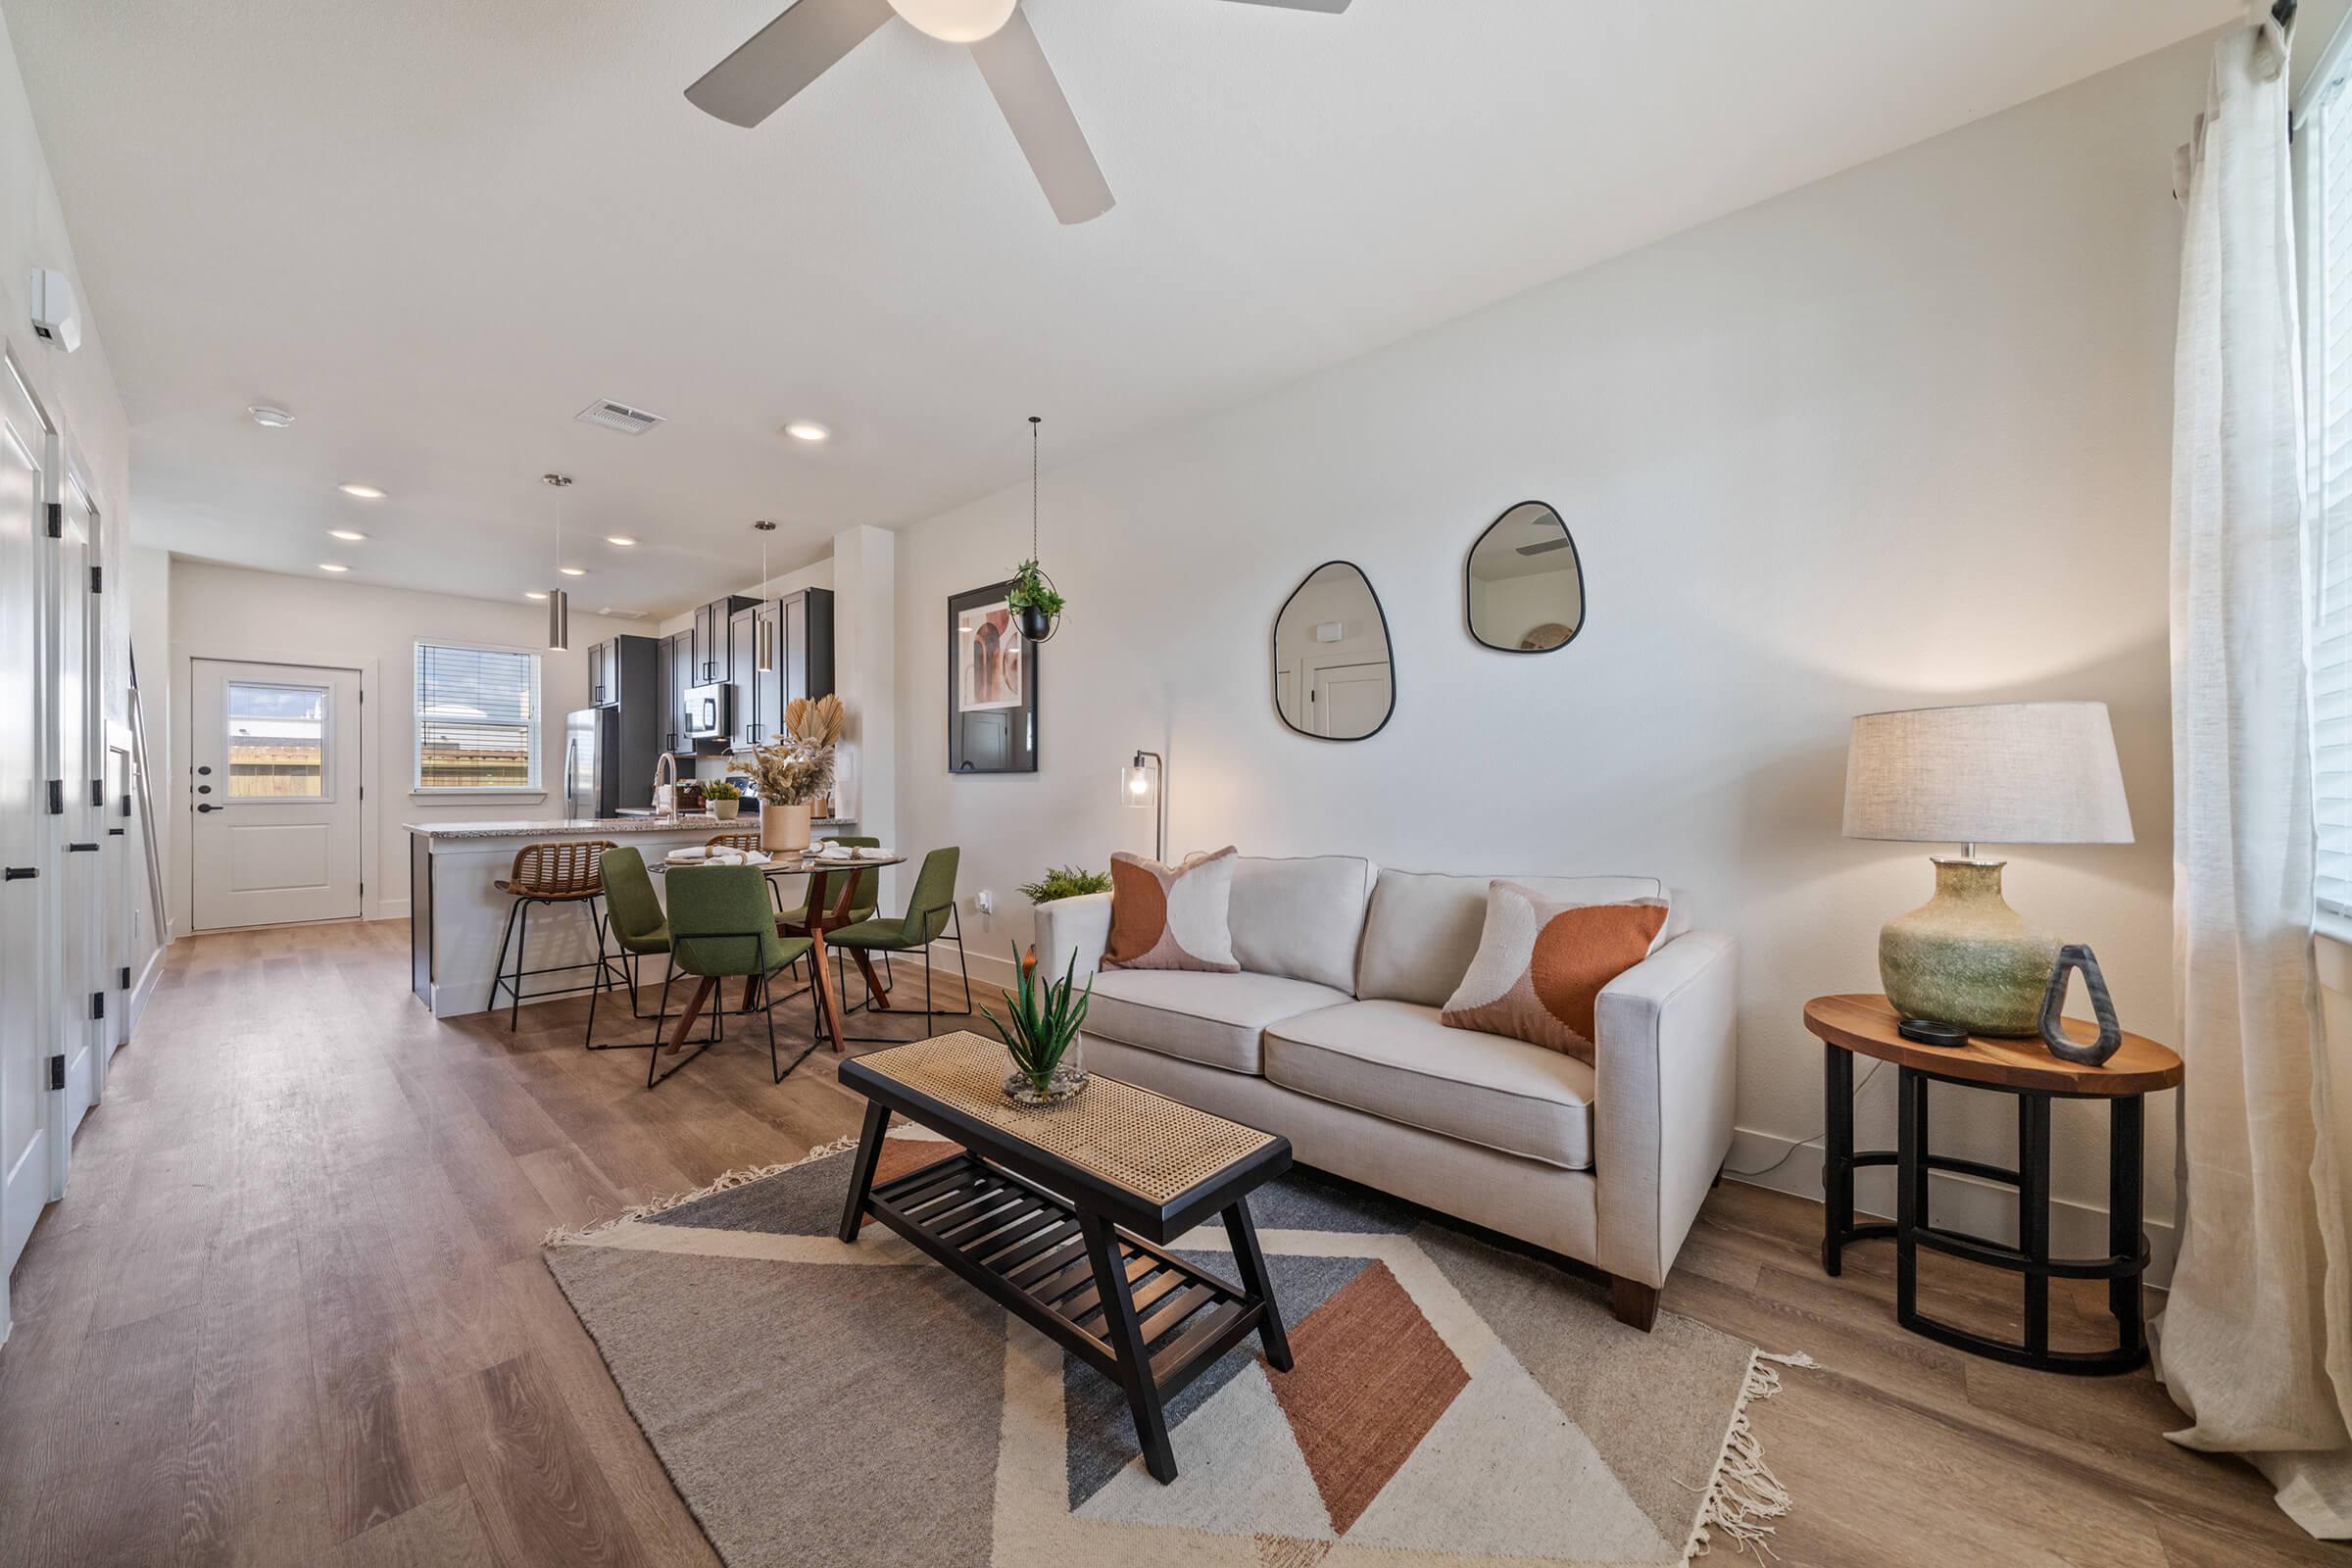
x=2256, y=1341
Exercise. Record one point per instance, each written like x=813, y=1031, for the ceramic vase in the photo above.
x=784, y=828
x=1966, y=958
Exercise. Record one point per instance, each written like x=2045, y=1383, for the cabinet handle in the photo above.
x=20, y=873
x=83, y=849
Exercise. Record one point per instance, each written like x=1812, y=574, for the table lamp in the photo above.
x=1995, y=772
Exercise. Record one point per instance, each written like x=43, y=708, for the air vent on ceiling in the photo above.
x=622, y=615
x=618, y=417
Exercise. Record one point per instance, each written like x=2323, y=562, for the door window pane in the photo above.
x=277, y=742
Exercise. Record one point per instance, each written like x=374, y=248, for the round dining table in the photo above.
x=817, y=867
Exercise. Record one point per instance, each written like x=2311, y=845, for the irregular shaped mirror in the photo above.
x=1331, y=676
x=1523, y=588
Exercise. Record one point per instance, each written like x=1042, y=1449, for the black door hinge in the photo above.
x=97, y=579
x=57, y=797
x=97, y=1003
x=98, y=792
x=57, y=1072
x=123, y=982
x=57, y=521
x=362, y=792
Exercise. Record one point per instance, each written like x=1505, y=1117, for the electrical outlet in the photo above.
x=984, y=901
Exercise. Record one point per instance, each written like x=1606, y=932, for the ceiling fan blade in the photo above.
x=785, y=56
x=1335, y=7
x=1013, y=64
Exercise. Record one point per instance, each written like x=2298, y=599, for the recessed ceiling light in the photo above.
x=269, y=418
x=807, y=431
x=351, y=534
x=573, y=571
x=534, y=593
x=329, y=565
x=366, y=492
x=620, y=539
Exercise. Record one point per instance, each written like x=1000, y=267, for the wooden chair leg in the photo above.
x=1635, y=1303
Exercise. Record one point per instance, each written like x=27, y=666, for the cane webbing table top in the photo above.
x=1149, y=1145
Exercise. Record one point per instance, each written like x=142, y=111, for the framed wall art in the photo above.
x=992, y=685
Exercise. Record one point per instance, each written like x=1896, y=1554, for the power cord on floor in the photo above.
x=1766, y=1170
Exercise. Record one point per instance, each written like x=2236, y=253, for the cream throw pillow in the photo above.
x=1541, y=965
x=1171, y=917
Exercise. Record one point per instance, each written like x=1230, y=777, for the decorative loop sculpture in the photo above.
x=2072, y=956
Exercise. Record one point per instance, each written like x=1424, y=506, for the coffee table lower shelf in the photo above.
x=1151, y=1326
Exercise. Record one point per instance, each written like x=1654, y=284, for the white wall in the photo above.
x=1900, y=437
x=224, y=612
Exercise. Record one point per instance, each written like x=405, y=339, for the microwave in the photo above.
x=710, y=713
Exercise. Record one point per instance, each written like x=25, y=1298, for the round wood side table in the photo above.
x=1865, y=1025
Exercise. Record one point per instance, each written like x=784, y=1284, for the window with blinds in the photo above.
x=477, y=718
x=2323, y=208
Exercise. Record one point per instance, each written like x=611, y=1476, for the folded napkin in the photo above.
x=692, y=852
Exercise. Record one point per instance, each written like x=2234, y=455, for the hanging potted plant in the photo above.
x=1034, y=601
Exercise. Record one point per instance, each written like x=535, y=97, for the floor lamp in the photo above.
x=1141, y=785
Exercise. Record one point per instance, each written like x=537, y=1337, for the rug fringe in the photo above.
x=743, y=1176
x=1745, y=1492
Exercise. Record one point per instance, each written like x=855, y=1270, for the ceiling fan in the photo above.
x=802, y=44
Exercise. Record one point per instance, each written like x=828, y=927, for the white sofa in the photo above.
x=1330, y=1036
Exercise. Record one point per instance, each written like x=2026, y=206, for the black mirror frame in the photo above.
x=1576, y=555
x=1274, y=647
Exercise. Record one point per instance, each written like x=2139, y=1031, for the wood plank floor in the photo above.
x=293, y=1312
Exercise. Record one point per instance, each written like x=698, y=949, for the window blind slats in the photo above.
x=476, y=718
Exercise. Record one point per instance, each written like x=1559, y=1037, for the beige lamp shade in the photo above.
x=1995, y=772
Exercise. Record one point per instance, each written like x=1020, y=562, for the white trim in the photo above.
x=516, y=792
x=135, y=1007
x=391, y=908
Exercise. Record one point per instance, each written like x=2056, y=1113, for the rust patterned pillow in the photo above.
x=1541, y=966
x=1171, y=917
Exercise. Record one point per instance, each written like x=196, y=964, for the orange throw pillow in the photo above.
x=1541, y=965
x=1171, y=917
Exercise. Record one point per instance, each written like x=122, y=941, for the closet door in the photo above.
x=77, y=1023
x=25, y=895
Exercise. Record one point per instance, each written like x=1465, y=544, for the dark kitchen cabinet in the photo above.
x=797, y=633
x=707, y=651
x=604, y=675
x=676, y=660
x=804, y=645
x=752, y=723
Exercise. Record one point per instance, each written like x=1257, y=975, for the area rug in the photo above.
x=1451, y=1401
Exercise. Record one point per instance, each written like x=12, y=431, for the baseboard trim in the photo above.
x=1966, y=1203
x=391, y=909
x=141, y=994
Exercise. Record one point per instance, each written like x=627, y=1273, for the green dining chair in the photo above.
x=634, y=920
x=722, y=926
x=931, y=916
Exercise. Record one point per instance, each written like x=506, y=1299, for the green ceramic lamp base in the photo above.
x=1965, y=957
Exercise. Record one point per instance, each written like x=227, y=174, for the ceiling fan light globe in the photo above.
x=955, y=20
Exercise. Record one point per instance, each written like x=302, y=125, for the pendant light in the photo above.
x=558, y=603
x=764, y=628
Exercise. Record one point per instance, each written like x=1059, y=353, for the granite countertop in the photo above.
x=600, y=827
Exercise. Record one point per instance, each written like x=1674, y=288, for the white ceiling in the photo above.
x=437, y=230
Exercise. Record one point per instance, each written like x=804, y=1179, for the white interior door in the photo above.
x=276, y=752
x=81, y=874
x=1351, y=700
x=25, y=1094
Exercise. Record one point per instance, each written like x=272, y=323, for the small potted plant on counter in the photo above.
x=1034, y=601
x=1042, y=1037
x=724, y=797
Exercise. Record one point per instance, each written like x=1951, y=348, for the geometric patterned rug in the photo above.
x=1450, y=1401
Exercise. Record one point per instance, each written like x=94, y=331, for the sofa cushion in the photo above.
x=1214, y=1019
x=1395, y=1060
x=1541, y=965
x=1171, y=917
x=1423, y=927
x=1300, y=917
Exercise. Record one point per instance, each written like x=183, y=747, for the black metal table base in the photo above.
x=1146, y=1320
x=2127, y=1258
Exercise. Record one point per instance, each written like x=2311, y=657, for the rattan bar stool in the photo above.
x=564, y=872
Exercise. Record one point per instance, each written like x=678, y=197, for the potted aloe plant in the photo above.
x=1034, y=601
x=1042, y=1035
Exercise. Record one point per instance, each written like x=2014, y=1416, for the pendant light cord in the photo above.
x=1033, y=422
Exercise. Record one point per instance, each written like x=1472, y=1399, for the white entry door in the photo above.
x=26, y=1098
x=276, y=792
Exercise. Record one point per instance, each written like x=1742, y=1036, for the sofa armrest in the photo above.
x=1665, y=1075
x=1079, y=926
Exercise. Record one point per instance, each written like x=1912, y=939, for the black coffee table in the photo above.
x=1062, y=1215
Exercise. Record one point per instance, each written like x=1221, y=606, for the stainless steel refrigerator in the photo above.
x=593, y=780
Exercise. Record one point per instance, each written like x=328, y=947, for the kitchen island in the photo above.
x=457, y=914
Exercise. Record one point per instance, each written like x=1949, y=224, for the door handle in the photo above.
x=83, y=849
x=212, y=808
x=19, y=873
